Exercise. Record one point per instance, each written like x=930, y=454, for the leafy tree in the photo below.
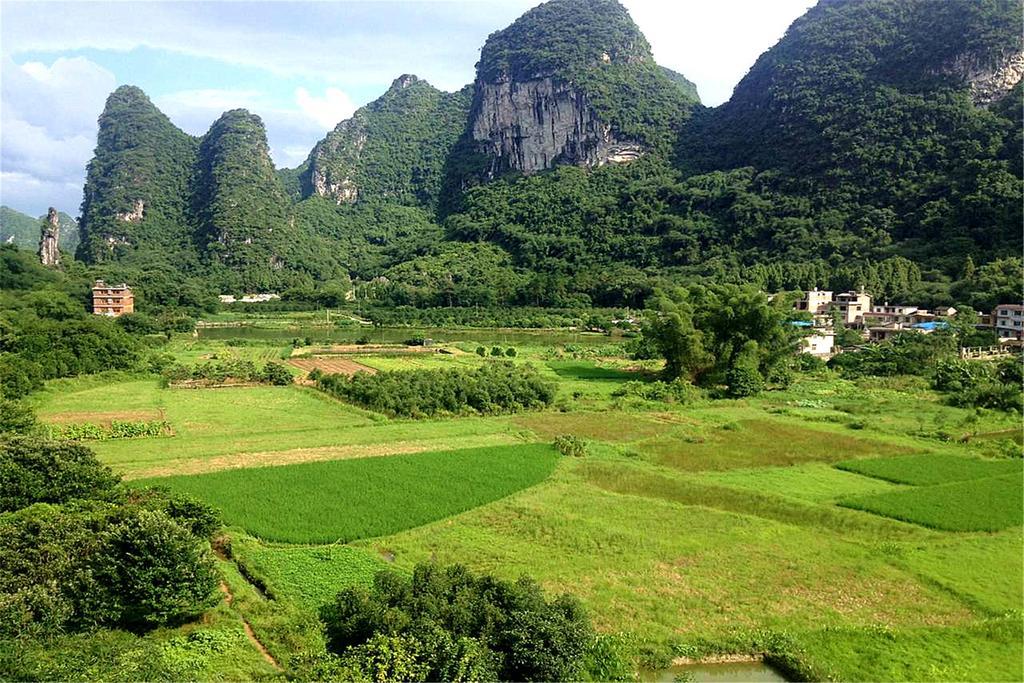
x=444, y=623
x=33, y=471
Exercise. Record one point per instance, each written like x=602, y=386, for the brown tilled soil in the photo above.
x=356, y=349
x=300, y=455
x=331, y=365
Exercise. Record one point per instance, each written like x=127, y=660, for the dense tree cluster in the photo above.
x=78, y=551
x=493, y=388
x=217, y=371
x=722, y=335
x=445, y=623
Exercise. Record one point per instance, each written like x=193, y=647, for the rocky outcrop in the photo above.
x=333, y=160
x=989, y=79
x=534, y=125
x=49, y=254
x=133, y=215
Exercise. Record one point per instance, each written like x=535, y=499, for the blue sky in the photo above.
x=302, y=66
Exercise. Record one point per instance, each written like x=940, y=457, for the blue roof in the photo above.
x=801, y=323
x=938, y=325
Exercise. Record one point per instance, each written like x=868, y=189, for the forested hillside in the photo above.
x=877, y=144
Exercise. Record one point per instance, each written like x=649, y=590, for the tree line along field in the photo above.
x=835, y=522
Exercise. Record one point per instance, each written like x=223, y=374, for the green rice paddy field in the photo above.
x=835, y=522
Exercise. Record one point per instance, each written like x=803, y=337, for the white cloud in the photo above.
x=329, y=110
x=48, y=130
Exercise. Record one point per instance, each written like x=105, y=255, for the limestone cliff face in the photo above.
x=49, y=254
x=990, y=79
x=332, y=162
x=533, y=125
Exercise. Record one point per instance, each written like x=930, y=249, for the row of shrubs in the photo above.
x=981, y=384
x=117, y=429
x=497, y=351
x=488, y=390
x=678, y=390
x=217, y=371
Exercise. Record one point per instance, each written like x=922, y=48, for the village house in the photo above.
x=1008, y=321
x=820, y=343
x=112, y=300
x=851, y=307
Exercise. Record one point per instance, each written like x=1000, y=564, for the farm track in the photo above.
x=317, y=454
x=229, y=600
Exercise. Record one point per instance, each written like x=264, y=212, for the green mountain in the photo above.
x=572, y=82
x=890, y=109
x=136, y=188
x=23, y=230
x=238, y=203
x=877, y=144
x=393, y=149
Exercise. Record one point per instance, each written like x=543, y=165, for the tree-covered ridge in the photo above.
x=393, y=149
x=136, y=188
x=562, y=38
x=859, y=109
x=238, y=202
x=688, y=87
x=23, y=230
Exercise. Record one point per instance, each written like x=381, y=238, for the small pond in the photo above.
x=725, y=672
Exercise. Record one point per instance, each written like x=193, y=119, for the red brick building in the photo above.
x=112, y=300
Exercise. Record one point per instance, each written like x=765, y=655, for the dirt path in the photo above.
x=315, y=454
x=229, y=598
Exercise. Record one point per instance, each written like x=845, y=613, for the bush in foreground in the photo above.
x=445, y=623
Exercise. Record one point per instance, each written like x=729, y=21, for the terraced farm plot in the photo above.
x=331, y=365
x=976, y=505
x=343, y=500
x=761, y=443
x=310, y=576
x=814, y=482
x=924, y=470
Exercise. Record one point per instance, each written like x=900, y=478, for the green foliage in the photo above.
x=908, y=353
x=678, y=390
x=35, y=471
x=494, y=388
x=140, y=157
x=15, y=417
x=571, y=445
x=987, y=504
x=76, y=553
x=117, y=429
x=365, y=497
x=444, y=623
x=721, y=333
x=221, y=371
x=394, y=148
x=932, y=469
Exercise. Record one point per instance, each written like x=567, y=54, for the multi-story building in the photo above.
x=1008, y=320
x=851, y=306
x=112, y=300
x=820, y=343
x=815, y=302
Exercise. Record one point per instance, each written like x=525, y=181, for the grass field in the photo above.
x=932, y=469
x=826, y=519
x=976, y=505
x=345, y=500
x=311, y=576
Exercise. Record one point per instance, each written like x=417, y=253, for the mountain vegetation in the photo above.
x=876, y=145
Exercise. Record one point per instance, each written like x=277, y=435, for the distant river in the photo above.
x=397, y=335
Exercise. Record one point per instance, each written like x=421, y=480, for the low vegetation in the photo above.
x=219, y=372
x=927, y=470
x=977, y=505
x=493, y=388
x=365, y=497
